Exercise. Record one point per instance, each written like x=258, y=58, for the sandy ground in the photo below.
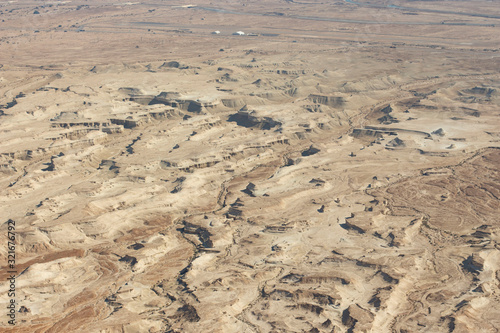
x=335, y=169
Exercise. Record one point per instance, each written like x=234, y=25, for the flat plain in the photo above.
x=333, y=169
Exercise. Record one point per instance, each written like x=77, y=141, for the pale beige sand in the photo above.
x=345, y=182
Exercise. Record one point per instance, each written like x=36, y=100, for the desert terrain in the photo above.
x=336, y=168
